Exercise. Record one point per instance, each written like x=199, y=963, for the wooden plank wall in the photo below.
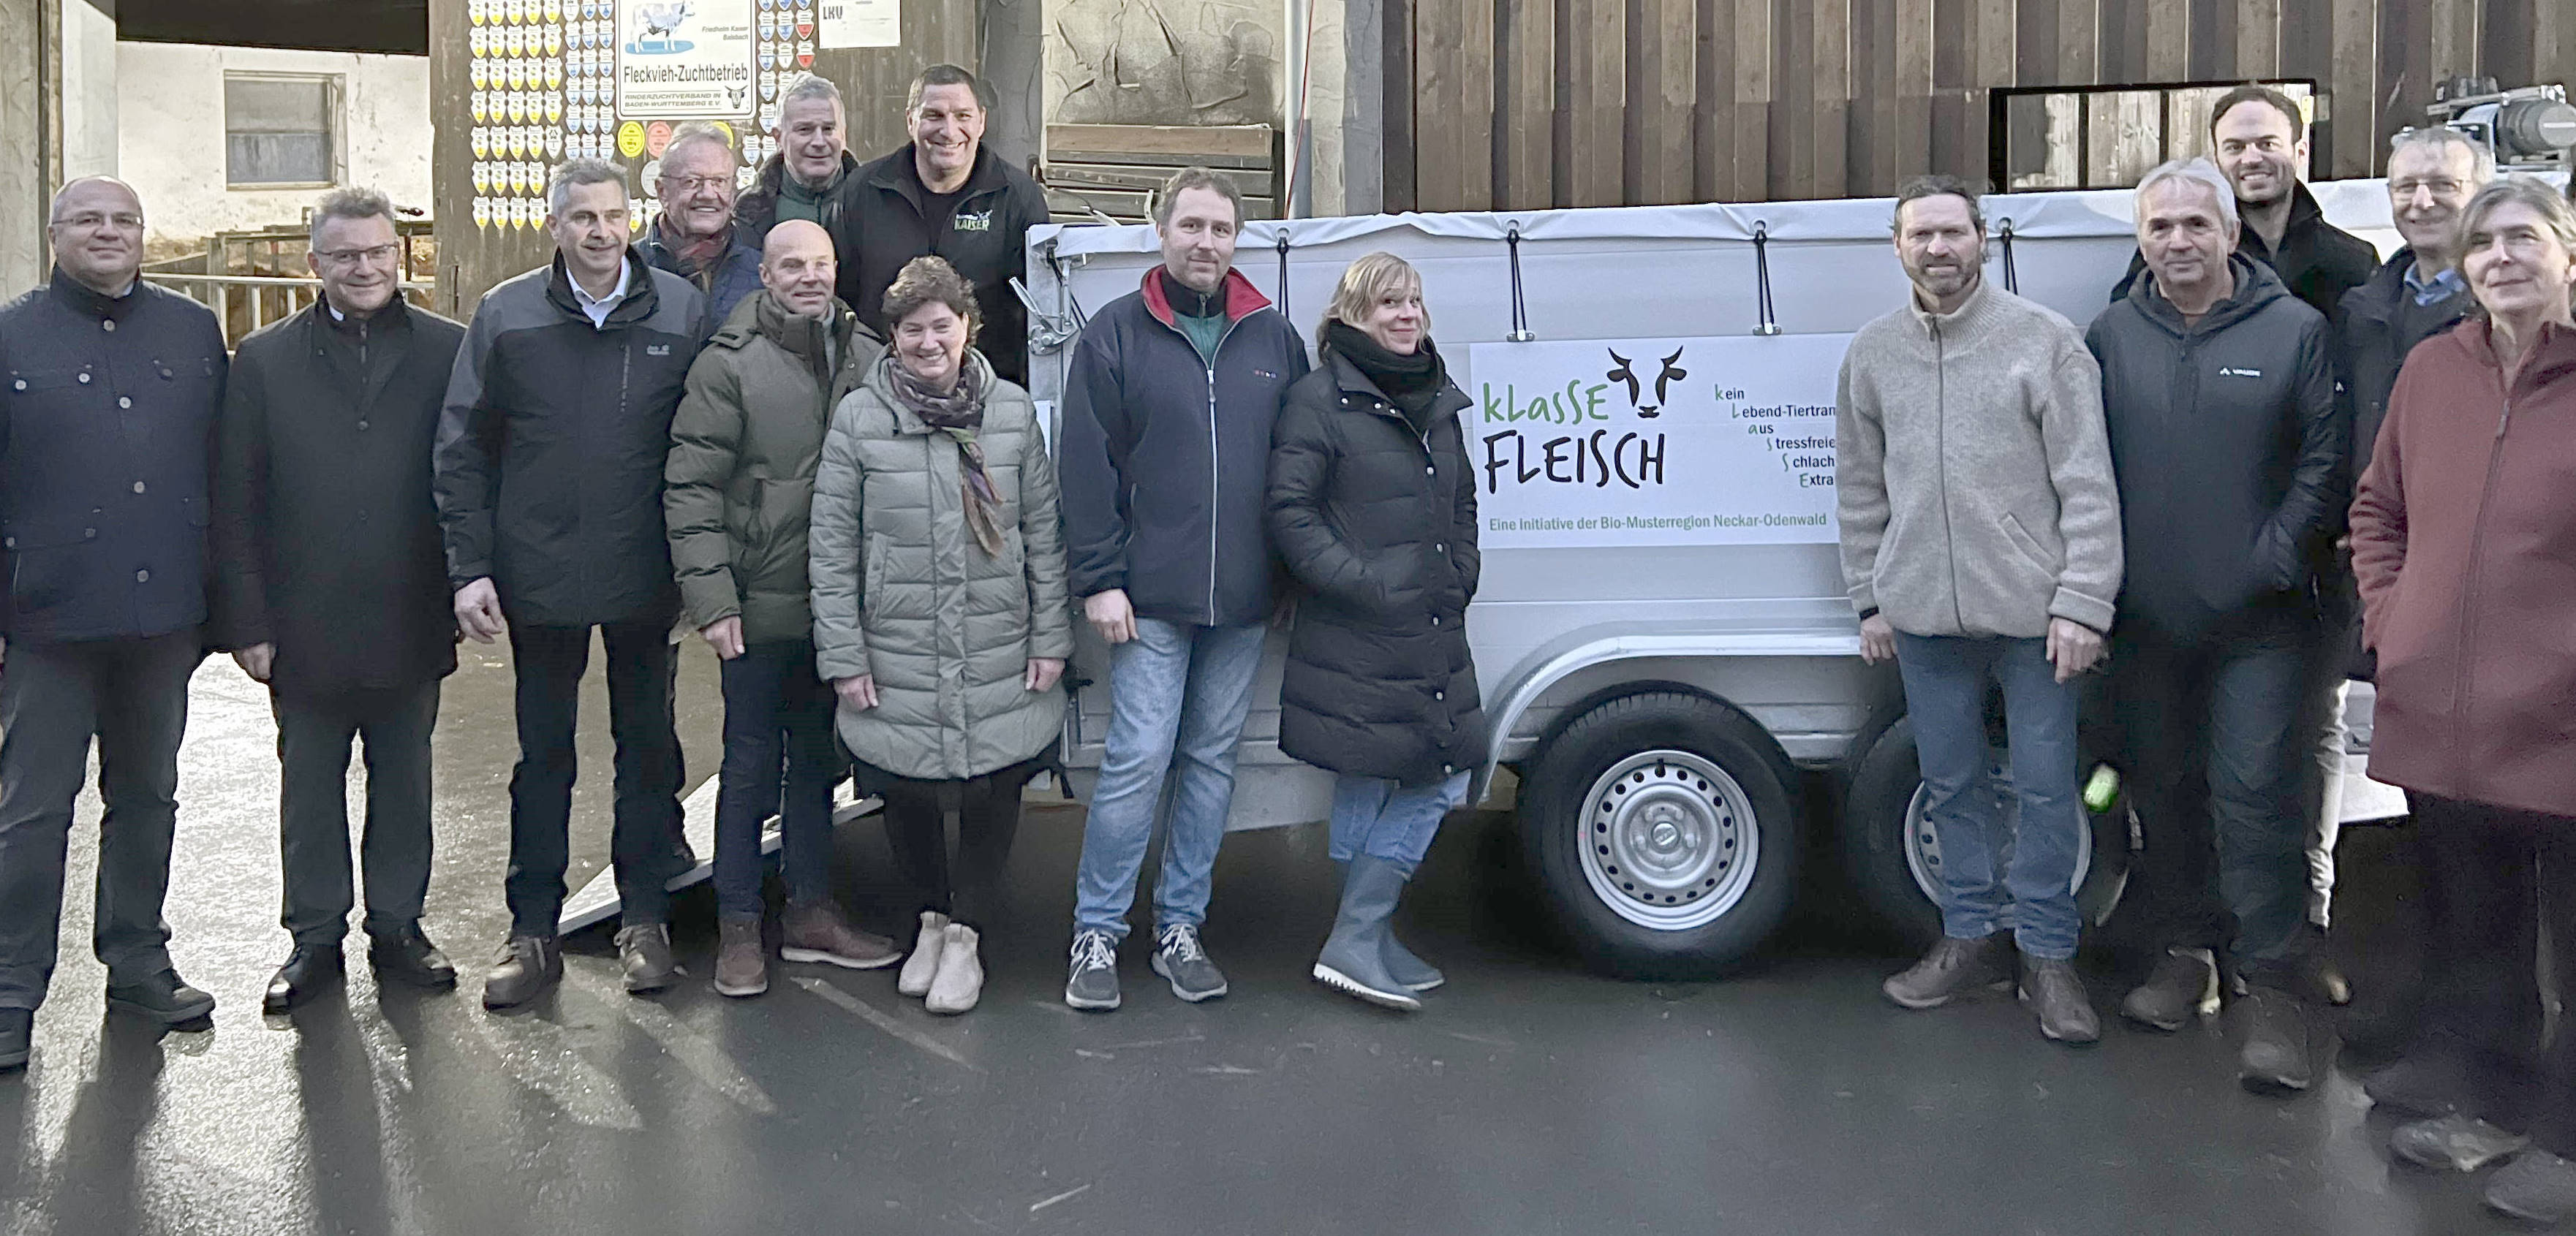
x=1524, y=104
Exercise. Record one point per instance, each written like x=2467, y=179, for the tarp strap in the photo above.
x=1769, y=323
x=1521, y=332
x=2012, y=279
x=1283, y=274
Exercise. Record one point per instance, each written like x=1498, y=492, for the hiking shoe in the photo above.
x=742, y=961
x=1180, y=958
x=2183, y=986
x=1951, y=969
x=525, y=968
x=2054, y=992
x=644, y=950
x=164, y=997
x=2454, y=1143
x=1092, y=986
x=2419, y=1085
x=2538, y=1187
x=2275, y=1058
x=818, y=932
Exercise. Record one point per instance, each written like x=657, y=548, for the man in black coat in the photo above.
x=943, y=194
x=549, y=484
x=330, y=586
x=108, y=393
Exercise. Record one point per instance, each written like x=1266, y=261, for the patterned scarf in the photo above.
x=959, y=413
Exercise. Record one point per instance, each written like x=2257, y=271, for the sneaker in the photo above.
x=526, y=967
x=2454, y=1143
x=1179, y=957
x=2276, y=1058
x=921, y=967
x=1092, y=986
x=645, y=952
x=2419, y=1085
x=164, y=997
x=2056, y=993
x=960, y=981
x=818, y=933
x=1953, y=968
x=2538, y=1187
x=742, y=961
x=2183, y=986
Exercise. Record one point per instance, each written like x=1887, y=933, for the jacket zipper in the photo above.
x=1941, y=444
x=2468, y=614
x=1215, y=469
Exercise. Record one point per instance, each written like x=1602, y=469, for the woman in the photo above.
x=2464, y=539
x=940, y=614
x=1373, y=507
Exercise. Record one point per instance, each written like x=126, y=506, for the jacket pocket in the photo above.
x=45, y=560
x=871, y=571
x=2028, y=546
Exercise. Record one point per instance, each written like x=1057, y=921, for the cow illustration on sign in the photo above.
x=1624, y=371
x=655, y=26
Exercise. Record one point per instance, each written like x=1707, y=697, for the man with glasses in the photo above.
x=108, y=394
x=694, y=237
x=331, y=589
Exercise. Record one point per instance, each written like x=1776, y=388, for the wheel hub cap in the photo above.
x=1669, y=840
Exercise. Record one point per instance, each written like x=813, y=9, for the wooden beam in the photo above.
x=2354, y=103
x=1665, y=81
x=1750, y=171
x=2258, y=38
x=1833, y=97
x=1598, y=96
x=1526, y=98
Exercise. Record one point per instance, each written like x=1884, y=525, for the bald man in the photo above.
x=739, y=482
x=108, y=394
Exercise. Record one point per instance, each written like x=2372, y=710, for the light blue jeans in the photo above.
x=1177, y=698
x=1383, y=819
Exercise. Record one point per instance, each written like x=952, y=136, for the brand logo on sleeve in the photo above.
x=657, y=349
x=2239, y=373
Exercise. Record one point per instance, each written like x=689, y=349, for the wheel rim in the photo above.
x=1669, y=840
x=1923, y=844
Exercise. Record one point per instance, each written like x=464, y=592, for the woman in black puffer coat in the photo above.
x=1373, y=507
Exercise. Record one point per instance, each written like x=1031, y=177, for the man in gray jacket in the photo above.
x=1981, y=543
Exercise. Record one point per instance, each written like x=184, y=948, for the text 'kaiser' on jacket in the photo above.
x=982, y=231
x=1378, y=525
x=326, y=532
x=744, y=447
x=903, y=592
x=1167, y=456
x=107, y=417
x=552, y=446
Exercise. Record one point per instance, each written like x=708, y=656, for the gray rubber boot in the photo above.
x=1354, y=956
x=1414, y=973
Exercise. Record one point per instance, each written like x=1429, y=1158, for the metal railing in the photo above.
x=245, y=303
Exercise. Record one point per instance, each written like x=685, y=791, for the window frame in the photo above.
x=335, y=118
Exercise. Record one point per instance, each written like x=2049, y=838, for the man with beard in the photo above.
x=1981, y=544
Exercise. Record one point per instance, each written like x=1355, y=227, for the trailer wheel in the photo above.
x=1664, y=834
x=1895, y=859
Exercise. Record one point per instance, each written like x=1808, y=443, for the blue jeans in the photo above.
x=1384, y=819
x=1177, y=699
x=1945, y=693
x=777, y=719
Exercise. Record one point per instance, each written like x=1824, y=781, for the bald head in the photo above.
x=97, y=233
x=798, y=267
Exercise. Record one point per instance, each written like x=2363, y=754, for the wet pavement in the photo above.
x=1531, y=1097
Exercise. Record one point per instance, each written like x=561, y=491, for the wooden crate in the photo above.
x=1117, y=169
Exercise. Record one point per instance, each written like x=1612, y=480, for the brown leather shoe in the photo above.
x=742, y=962
x=817, y=932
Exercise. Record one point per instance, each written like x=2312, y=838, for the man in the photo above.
x=944, y=194
x=2259, y=139
x=810, y=176
x=1167, y=418
x=744, y=447
x=1996, y=564
x=330, y=587
x=107, y=404
x=695, y=237
x=2218, y=389
x=549, y=458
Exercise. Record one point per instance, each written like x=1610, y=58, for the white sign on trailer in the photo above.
x=1712, y=441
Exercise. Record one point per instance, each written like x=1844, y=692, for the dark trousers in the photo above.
x=779, y=759
x=2220, y=747
x=313, y=738
x=132, y=694
x=988, y=817
x=644, y=844
x=2495, y=879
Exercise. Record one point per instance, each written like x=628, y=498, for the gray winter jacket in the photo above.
x=903, y=592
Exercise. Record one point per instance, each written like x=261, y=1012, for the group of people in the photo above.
x=768, y=422
x=2273, y=465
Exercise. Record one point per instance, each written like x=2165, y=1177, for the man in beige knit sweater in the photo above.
x=1981, y=544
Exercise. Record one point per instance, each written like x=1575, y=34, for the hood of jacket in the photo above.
x=2256, y=286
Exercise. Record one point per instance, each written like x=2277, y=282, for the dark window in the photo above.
x=281, y=130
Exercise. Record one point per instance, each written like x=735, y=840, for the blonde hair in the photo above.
x=1368, y=281
x=2556, y=213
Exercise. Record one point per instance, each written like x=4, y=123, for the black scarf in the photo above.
x=1412, y=382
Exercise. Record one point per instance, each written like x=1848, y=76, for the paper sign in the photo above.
x=685, y=59
x=1721, y=441
x=862, y=23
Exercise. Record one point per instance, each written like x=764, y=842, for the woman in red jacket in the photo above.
x=2464, y=538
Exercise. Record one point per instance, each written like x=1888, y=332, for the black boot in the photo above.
x=407, y=956
x=164, y=997
x=309, y=970
x=1354, y=956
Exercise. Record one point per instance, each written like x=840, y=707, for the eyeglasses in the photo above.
x=691, y=184
x=91, y=220
x=345, y=258
x=2439, y=186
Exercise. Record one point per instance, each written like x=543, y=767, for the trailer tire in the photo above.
x=1891, y=856
x=1664, y=833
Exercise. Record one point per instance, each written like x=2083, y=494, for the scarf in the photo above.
x=1412, y=382
x=698, y=254
x=959, y=413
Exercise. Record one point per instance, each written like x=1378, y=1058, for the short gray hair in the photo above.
x=2201, y=172
x=2444, y=138
x=694, y=133
x=808, y=87
x=352, y=203
x=572, y=172
x=2555, y=210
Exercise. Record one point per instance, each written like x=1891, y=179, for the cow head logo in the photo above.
x=1624, y=372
